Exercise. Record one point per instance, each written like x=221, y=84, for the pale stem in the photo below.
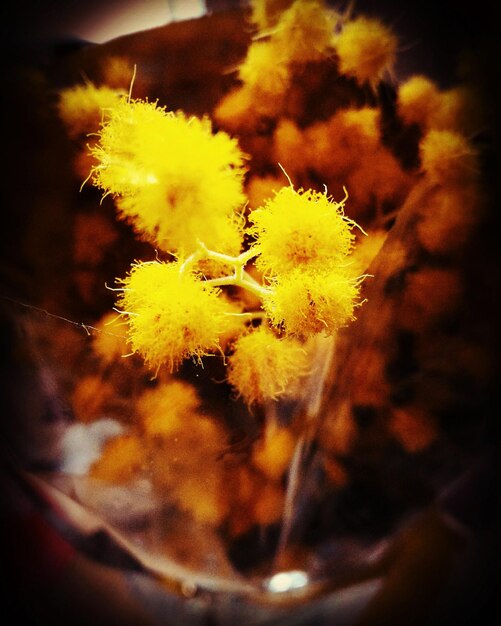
x=198, y=255
x=240, y=277
x=253, y=287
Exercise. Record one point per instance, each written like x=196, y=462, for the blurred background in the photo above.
x=443, y=40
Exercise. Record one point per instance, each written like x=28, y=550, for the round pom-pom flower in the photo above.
x=300, y=229
x=265, y=69
x=418, y=98
x=84, y=107
x=171, y=315
x=263, y=365
x=176, y=181
x=366, y=48
x=305, y=304
x=304, y=31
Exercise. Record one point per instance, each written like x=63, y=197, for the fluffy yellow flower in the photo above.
x=305, y=304
x=304, y=31
x=187, y=225
x=171, y=316
x=265, y=69
x=263, y=365
x=366, y=48
x=177, y=182
x=301, y=229
x=237, y=111
x=421, y=102
x=92, y=397
x=336, y=146
x=418, y=98
x=84, y=107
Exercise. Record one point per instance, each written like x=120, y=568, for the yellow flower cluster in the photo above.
x=167, y=444
x=302, y=242
x=345, y=149
x=421, y=102
x=172, y=315
x=180, y=186
x=288, y=34
x=180, y=448
x=263, y=365
x=260, y=278
x=175, y=181
x=306, y=31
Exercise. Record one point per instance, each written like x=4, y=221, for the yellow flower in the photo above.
x=84, y=107
x=418, y=98
x=366, y=48
x=305, y=304
x=304, y=31
x=301, y=229
x=265, y=69
x=187, y=224
x=177, y=182
x=263, y=365
x=171, y=316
